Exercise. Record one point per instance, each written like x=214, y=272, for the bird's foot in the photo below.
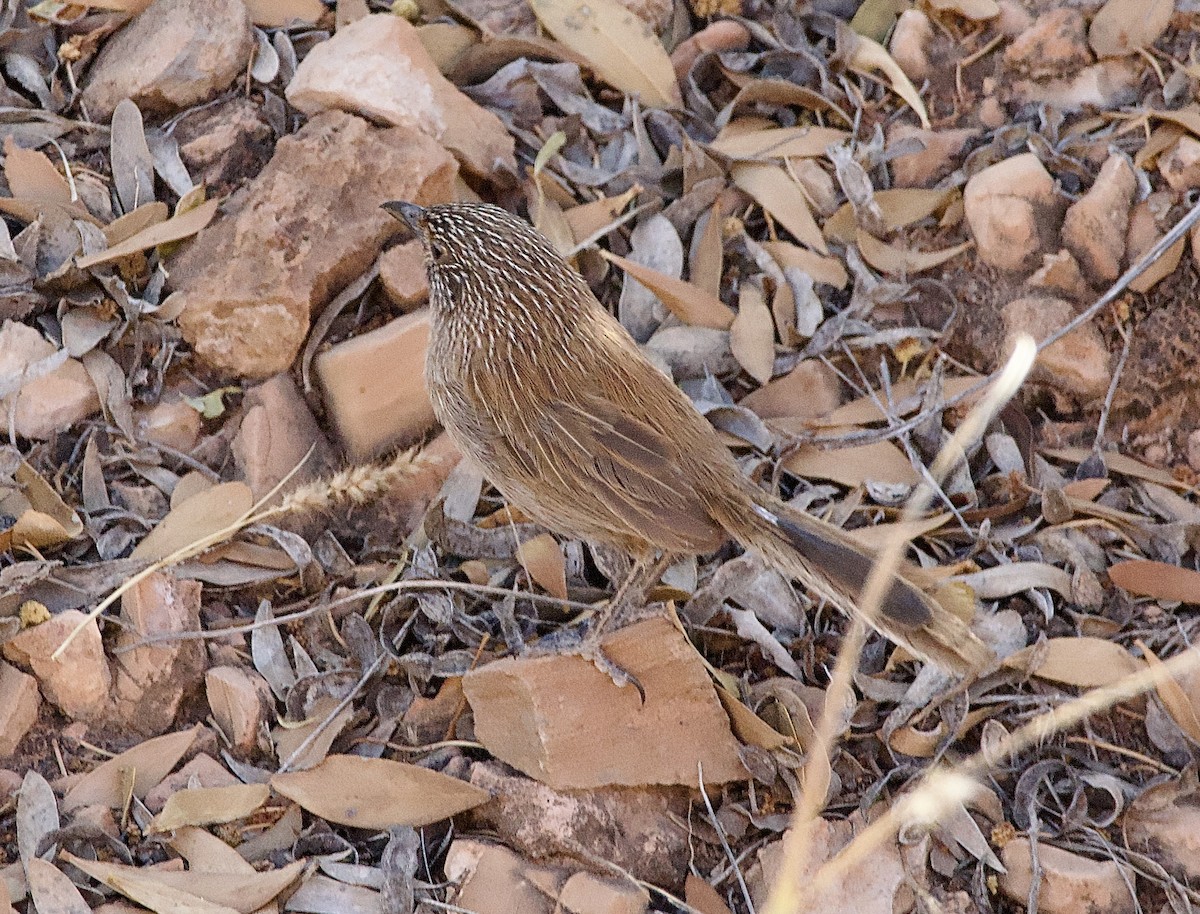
x=589, y=644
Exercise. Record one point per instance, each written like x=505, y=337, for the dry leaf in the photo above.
x=130, y=224
x=1147, y=578
x=174, y=229
x=703, y=897
x=173, y=892
x=1173, y=697
x=749, y=727
x=899, y=206
x=897, y=261
x=377, y=793
x=52, y=891
x=775, y=142
x=588, y=219
x=149, y=763
x=209, y=806
x=542, y=557
x=1123, y=27
x=829, y=270
x=271, y=14
x=32, y=176
x=752, y=336
x=1119, y=463
x=200, y=516
x=620, y=47
x=708, y=254
x=868, y=56
x=689, y=303
x=1086, y=663
x=776, y=192
x=880, y=461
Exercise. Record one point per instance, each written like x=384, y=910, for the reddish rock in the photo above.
x=278, y=435
x=77, y=683
x=586, y=893
x=1054, y=45
x=1008, y=207
x=560, y=720
x=1076, y=366
x=1180, y=165
x=151, y=679
x=19, y=704
x=944, y=151
x=1095, y=225
x=910, y=44
x=172, y=423
x=1108, y=84
x=1069, y=884
x=374, y=385
x=377, y=67
x=402, y=274
x=491, y=879
x=175, y=54
x=250, y=280
x=1059, y=273
x=642, y=830
x=224, y=144
x=49, y=404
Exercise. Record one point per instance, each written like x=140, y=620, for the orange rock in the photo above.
x=78, y=683
x=1069, y=884
x=374, y=385
x=19, y=704
x=402, y=273
x=1095, y=225
x=560, y=720
x=277, y=433
x=1007, y=205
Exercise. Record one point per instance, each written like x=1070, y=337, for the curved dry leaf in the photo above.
x=176, y=228
x=738, y=142
x=1084, y=662
x=749, y=727
x=377, y=793
x=200, y=516
x=1001, y=581
x=1160, y=269
x=779, y=92
x=868, y=56
x=1147, y=578
x=132, y=163
x=174, y=892
x=752, y=335
x=908, y=740
x=32, y=176
x=52, y=891
x=37, y=531
x=879, y=535
x=689, y=303
x=1173, y=697
x=1123, y=27
x=149, y=763
x=906, y=399
x=1119, y=463
x=899, y=206
x=542, y=557
x=206, y=853
x=131, y=223
x=588, y=219
x=620, y=47
x=43, y=498
x=897, y=261
x=880, y=461
x=209, y=806
x=702, y=897
x=775, y=191
x=829, y=270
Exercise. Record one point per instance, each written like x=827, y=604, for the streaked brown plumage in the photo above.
x=540, y=385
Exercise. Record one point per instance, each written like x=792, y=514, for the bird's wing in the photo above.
x=636, y=472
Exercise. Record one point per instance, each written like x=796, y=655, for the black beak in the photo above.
x=408, y=213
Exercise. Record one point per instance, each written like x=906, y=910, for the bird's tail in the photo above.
x=931, y=623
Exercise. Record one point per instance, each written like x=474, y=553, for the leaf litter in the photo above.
x=795, y=201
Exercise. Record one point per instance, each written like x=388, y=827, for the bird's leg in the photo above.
x=633, y=592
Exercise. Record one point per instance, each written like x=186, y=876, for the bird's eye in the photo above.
x=439, y=251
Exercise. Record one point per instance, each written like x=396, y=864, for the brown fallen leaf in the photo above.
x=689, y=303
x=1123, y=27
x=32, y=176
x=200, y=516
x=542, y=557
x=209, y=806
x=737, y=142
x=880, y=461
x=775, y=191
x=893, y=260
x=1173, y=697
x=52, y=891
x=622, y=49
x=752, y=335
x=377, y=793
x=174, y=229
x=149, y=763
x=1086, y=663
x=1148, y=578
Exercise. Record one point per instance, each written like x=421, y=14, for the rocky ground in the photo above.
x=265, y=639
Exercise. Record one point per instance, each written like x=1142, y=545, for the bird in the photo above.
x=544, y=389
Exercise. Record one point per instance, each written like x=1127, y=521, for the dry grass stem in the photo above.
x=785, y=897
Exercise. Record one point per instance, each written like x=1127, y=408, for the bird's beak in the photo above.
x=409, y=213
